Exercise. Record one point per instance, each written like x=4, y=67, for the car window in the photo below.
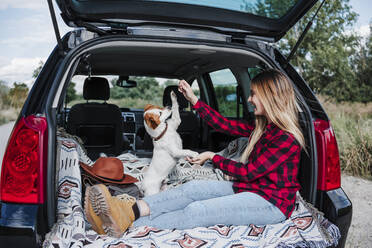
x=253, y=71
x=195, y=88
x=149, y=90
x=225, y=85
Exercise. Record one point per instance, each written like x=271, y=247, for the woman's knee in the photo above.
x=205, y=189
x=192, y=187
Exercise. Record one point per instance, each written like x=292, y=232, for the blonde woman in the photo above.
x=264, y=183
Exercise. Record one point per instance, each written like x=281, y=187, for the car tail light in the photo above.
x=22, y=173
x=329, y=171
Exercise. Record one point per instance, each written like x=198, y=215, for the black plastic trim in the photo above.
x=18, y=237
x=18, y=225
x=338, y=209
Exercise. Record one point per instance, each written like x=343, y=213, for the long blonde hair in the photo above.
x=276, y=94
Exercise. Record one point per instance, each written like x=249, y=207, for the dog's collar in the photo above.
x=162, y=133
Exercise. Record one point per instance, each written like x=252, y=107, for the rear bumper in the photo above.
x=18, y=237
x=18, y=225
x=337, y=208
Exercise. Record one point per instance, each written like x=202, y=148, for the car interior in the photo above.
x=106, y=128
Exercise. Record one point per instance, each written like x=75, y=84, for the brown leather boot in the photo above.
x=116, y=214
x=127, y=202
x=92, y=218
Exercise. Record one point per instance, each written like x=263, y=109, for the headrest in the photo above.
x=182, y=102
x=96, y=88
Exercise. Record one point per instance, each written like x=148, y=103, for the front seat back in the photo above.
x=99, y=125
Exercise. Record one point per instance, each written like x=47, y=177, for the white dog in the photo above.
x=167, y=144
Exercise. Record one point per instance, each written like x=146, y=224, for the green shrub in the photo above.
x=137, y=102
x=18, y=94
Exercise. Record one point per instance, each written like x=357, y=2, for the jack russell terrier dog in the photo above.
x=167, y=144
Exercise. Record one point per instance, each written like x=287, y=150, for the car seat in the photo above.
x=99, y=125
x=189, y=127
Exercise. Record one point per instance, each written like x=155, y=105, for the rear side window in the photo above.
x=254, y=71
x=195, y=88
x=225, y=87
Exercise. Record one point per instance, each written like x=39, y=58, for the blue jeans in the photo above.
x=207, y=203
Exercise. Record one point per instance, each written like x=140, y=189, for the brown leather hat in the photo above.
x=108, y=170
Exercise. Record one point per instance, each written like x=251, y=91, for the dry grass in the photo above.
x=355, y=109
x=352, y=123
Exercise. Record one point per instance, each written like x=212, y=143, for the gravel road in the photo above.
x=5, y=131
x=360, y=193
x=358, y=190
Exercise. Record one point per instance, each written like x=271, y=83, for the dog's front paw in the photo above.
x=192, y=154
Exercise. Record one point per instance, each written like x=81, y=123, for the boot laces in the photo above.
x=126, y=198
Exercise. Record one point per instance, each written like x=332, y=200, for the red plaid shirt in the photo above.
x=272, y=167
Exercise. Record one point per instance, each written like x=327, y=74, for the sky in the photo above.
x=27, y=36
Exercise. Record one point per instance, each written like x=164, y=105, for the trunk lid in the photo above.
x=265, y=18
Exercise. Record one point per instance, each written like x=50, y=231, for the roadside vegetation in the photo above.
x=352, y=123
x=11, y=100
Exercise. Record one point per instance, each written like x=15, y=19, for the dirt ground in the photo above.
x=360, y=193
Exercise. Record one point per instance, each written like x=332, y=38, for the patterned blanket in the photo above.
x=305, y=228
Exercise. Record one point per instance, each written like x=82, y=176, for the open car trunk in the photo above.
x=176, y=60
x=179, y=61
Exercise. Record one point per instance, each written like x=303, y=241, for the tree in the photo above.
x=71, y=92
x=18, y=94
x=4, y=98
x=147, y=88
x=268, y=8
x=363, y=68
x=170, y=82
x=37, y=70
x=325, y=56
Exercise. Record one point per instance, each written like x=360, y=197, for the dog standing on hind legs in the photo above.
x=167, y=144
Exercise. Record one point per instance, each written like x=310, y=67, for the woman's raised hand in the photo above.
x=187, y=92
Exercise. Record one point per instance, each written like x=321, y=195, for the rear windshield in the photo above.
x=149, y=90
x=274, y=9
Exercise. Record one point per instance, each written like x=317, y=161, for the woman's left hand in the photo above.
x=201, y=158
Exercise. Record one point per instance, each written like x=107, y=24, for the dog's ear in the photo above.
x=152, y=120
x=147, y=107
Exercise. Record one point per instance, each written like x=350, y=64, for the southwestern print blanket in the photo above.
x=307, y=227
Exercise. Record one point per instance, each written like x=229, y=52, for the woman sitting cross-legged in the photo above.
x=264, y=185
